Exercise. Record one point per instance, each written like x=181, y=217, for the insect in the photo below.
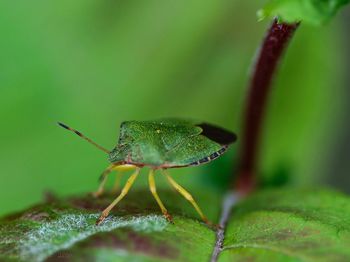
x=160, y=145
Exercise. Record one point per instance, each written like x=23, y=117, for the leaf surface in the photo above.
x=65, y=229
x=294, y=225
x=274, y=225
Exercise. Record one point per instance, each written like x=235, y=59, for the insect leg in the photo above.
x=188, y=196
x=120, y=169
x=103, y=179
x=116, y=186
x=152, y=187
x=125, y=190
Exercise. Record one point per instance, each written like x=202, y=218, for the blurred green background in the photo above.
x=92, y=64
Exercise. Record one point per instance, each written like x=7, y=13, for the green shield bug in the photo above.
x=160, y=145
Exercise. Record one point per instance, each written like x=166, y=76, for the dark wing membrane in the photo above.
x=217, y=134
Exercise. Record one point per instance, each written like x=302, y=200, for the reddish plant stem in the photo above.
x=275, y=42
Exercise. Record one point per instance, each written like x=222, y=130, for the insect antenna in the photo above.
x=84, y=137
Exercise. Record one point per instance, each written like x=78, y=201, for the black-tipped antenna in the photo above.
x=84, y=137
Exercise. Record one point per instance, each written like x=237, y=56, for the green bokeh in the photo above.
x=93, y=64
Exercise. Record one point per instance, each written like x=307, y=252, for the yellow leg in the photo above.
x=152, y=187
x=188, y=196
x=125, y=190
x=116, y=186
x=103, y=179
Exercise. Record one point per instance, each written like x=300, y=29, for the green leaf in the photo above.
x=315, y=12
x=294, y=225
x=135, y=230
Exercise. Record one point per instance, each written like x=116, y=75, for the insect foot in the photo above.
x=169, y=218
x=213, y=225
x=101, y=218
x=96, y=194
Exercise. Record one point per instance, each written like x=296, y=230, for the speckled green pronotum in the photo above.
x=161, y=144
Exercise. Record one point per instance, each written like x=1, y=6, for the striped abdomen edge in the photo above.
x=210, y=158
